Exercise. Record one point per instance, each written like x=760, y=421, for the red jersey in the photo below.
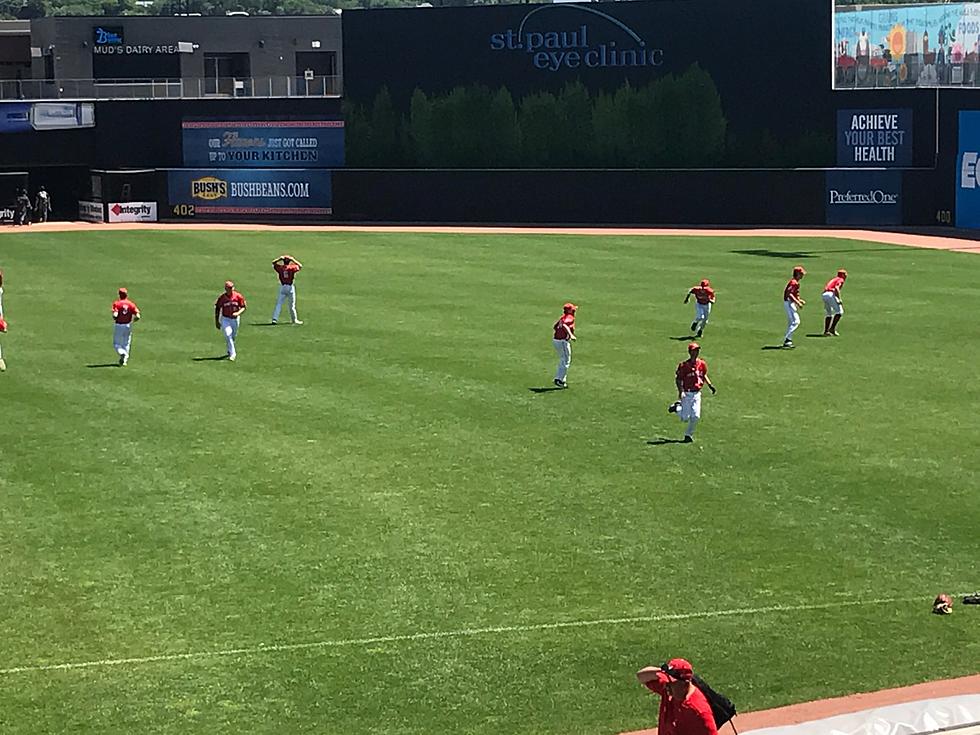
x=124, y=311
x=565, y=327
x=835, y=282
x=703, y=294
x=793, y=287
x=286, y=273
x=691, y=374
x=230, y=304
x=691, y=717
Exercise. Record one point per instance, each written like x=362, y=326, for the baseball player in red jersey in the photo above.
x=3, y=328
x=229, y=306
x=691, y=376
x=286, y=267
x=124, y=313
x=792, y=303
x=704, y=297
x=684, y=709
x=833, y=304
x=564, y=336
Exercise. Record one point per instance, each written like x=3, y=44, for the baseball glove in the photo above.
x=942, y=605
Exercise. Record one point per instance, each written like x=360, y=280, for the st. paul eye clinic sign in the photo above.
x=874, y=138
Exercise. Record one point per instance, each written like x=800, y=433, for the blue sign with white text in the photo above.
x=967, y=186
x=864, y=197
x=251, y=191
x=874, y=138
x=264, y=144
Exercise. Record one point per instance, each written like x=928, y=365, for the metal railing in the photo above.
x=912, y=70
x=188, y=88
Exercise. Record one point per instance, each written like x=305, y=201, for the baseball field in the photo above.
x=372, y=523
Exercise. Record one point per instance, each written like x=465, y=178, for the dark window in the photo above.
x=136, y=66
x=221, y=71
x=49, y=67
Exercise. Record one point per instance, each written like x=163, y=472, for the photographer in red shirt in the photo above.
x=684, y=710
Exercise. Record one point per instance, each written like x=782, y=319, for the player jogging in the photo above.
x=286, y=266
x=125, y=313
x=792, y=303
x=833, y=304
x=229, y=306
x=3, y=328
x=704, y=297
x=691, y=376
x=564, y=336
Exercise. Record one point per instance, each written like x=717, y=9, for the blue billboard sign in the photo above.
x=249, y=192
x=876, y=138
x=864, y=197
x=264, y=144
x=967, y=186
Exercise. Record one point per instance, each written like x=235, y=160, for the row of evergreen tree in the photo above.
x=676, y=121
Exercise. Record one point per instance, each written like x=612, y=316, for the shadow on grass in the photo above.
x=210, y=359
x=664, y=440
x=766, y=253
x=688, y=338
x=264, y=324
x=775, y=347
x=817, y=334
x=548, y=389
x=104, y=364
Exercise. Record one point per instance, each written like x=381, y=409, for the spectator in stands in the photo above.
x=684, y=710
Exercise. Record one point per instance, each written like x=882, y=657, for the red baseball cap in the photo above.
x=3, y=325
x=680, y=668
x=705, y=282
x=693, y=346
x=123, y=291
x=799, y=269
x=229, y=284
x=569, y=307
x=842, y=273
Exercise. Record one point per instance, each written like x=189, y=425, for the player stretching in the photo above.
x=124, y=313
x=286, y=266
x=793, y=303
x=691, y=376
x=704, y=297
x=229, y=306
x=564, y=336
x=833, y=304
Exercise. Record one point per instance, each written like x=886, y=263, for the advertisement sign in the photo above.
x=264, y=144
x=249, y=192
x=133, y=212
x=864, y=197
x=21, y=117
x=6, y=215
x=90, y=211
x=932, y=45
x=967, y=187
x=107, y=36
x=877, y=138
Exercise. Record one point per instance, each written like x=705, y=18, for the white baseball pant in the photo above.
x=122, y=337
x=1, y=300
x=792, y=320
x=286, y=292
x=229, y=327
x=564, y=349
x=831, y=305
x=701, y=313
x=690, y=410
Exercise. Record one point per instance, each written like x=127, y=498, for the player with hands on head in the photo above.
x=564, y=336
x=286, y=267
x=792, y=303
x=124, y=313
x=704, y=297
x=227, y=309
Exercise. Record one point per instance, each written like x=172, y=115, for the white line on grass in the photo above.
x=464, y=632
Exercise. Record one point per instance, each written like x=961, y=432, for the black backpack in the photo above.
x=721, y=706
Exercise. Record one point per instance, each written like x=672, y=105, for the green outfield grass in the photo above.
x=385, y=471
